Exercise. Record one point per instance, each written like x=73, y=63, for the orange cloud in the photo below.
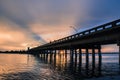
x=12, y=37
x=50, y=33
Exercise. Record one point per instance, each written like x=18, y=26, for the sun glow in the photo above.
x=61, y=52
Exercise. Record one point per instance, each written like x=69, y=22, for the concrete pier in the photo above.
x=93, y=60
x=80, y=59
x=99, y=60
x=119, y=54
x=87, y=61
x=75, y=62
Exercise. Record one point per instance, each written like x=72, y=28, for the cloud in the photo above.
x=35, y=22
x=14, y=37
x=50, y=33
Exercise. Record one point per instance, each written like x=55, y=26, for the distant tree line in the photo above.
x=14, y=51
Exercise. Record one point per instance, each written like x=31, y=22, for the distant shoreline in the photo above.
x=27, y=53
x=13, y=51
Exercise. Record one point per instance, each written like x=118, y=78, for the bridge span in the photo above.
x=89, y=40
x=104, y=34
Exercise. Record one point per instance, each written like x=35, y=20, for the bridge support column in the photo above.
x=71, y=55
x=44, y=52
x=55, y=58
x=71, y=61
x=41, y=54
x=119, y=54
x=87, y=61
x=119, y=50
x=55, y=55
x=51, y=53
x=47, y=55
x=66, y=57
x=100, y=60
x=93, y=60
x=75, y=51
x=65, y=54
x=80, y=59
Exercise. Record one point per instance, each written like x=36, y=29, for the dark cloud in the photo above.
x=100, y=12
x=25, y=12
x=20, y=16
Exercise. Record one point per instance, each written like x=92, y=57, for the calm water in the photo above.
x=29, y=67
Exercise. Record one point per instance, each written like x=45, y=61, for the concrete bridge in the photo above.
x=89, y=40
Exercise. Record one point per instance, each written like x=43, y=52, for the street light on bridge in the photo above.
x=74, y=28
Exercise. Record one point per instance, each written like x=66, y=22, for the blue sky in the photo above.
x=34, y=22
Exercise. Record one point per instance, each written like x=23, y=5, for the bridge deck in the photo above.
x=104, y=34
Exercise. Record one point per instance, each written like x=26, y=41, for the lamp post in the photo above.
x=74, y=28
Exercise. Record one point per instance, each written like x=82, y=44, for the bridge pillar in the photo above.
x=100, y=60
x=71, y=61
x=75, y=51
x=47, y=55
x=41, y=54
x=93, y=60
x=87, y=61
x=119, y=54
x=119, y=50
x=71, y=55
x=44, y=52
x=80, y=59
x=66, y=56
x=55, y=54
x=51, y=54
x=55, y=58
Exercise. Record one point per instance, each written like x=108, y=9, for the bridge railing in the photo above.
x=93, y=30
x=87, y=32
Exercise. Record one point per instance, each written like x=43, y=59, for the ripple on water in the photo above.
x=24, y=67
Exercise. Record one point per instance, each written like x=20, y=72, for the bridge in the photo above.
x=89, y=40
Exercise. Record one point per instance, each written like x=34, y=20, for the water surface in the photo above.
x=30, y=67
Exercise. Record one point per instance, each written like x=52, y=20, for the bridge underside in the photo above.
x=107, y=36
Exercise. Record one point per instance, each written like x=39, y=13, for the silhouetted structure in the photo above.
x=91, y=39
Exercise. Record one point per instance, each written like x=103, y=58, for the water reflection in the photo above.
x=13, y=65
x=54, y=67
x=68, y=65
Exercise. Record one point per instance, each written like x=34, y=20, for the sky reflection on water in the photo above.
x=29, y=67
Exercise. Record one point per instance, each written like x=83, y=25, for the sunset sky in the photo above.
x=31, y=23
